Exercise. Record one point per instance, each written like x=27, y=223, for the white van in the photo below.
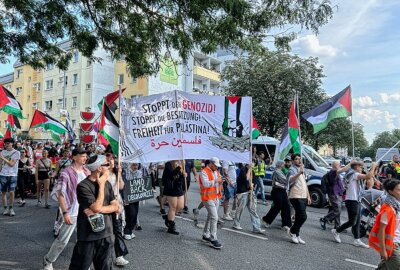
x=315, y=167
x=385, y=155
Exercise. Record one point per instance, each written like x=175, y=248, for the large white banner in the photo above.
x=176, y=125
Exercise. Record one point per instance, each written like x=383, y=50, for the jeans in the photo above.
x=61, y=241
x=8, y=183
x=210, y=227
x=131, y=216
x=99, y=252
x=260, y=187
x=334, y=210
x=300, y=215
x=353, y=212
x=281, y=204
x=392, y=263
x=242, y=201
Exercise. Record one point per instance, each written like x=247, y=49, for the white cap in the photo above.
x=216, y=161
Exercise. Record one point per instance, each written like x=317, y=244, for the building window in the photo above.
x=36, y=86
x=75, y=79
x=136, y=96
x=88, y=63
x=88, y=86
x=19, y=73
x=76, y=56
x=48, y=105
x=73, y=123
x=59, y=101
x=49, y=84
x=18, y=91
x=49, y=66
x=133, y=80
x=35, y=105
x=121, y=79
x=74, y=102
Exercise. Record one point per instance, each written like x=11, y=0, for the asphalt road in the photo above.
x=26, y=238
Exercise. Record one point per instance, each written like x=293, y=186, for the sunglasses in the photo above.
x=105, y=165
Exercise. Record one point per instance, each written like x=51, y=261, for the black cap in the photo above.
x=78, y=151
x=8, y=140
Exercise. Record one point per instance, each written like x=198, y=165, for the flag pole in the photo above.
x=352, y=124
x=119, y=175
x=298, y=119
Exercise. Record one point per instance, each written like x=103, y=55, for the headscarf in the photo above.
x=393, y=202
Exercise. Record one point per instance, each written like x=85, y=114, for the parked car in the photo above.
x=330, y=160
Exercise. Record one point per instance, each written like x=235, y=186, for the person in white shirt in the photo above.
x=9, y=158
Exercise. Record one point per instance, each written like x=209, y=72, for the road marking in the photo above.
x=244, y=233
x=361, y=263
x=230, y=230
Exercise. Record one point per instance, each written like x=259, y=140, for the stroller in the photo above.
x=370, y=204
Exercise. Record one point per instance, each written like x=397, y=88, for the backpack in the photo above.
x=325, y=184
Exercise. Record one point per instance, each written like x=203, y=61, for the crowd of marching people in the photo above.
x=87, y=182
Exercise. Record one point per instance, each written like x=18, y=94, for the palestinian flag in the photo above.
x=255, y=131
x=338, y=106
x=8, y=134
x=285, y=145
x=294, y=128
x=110, y=98
x=48, y=123
x=1, y=135
x=232, y=126
x=9, y=104
x=13, y=123
x=109, y=128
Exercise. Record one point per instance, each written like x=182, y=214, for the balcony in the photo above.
x=206, y=73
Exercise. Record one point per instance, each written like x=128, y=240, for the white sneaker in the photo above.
x=121, y=261
x=6, y=212
x=266, y=225
x=259, y=231
x=127, y=237
x=237, y=227
x=47, y=265
x=227, y=217
x=293, y=237
x=336, y=235
x=359, y=243
x=301, y=241
x=12, y=213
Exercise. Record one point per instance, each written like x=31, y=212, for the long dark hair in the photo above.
x=390, y=185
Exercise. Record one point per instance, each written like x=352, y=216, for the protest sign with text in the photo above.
x=176, y=125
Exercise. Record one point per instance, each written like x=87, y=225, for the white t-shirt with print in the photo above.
x=7, y=170
x=231, y=168
x=354, y=188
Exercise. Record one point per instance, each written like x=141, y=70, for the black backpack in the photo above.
x=325, y=187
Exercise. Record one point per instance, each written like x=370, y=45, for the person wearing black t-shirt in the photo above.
x=96, y=199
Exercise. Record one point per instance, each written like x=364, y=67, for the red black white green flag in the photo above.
x=9, y=104
x=109, y=128
x=294, y=128
x=338, y=106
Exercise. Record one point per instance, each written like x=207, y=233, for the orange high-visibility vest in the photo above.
x=389, y=230
x=209, y=193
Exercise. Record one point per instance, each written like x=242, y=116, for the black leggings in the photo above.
x=21, y=179
x=119, y=243
x=353, y=212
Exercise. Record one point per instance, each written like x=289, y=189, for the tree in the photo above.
x=272, y=79
x=138, y=30
x=385, y=139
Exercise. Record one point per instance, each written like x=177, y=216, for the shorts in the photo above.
x=229, y=191
x=8, y=183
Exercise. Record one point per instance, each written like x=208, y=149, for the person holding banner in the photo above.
x=210, y=193
x=120, y=247
x=174, y=178
x=131, y=209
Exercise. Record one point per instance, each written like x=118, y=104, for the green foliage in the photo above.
x=138, y=30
